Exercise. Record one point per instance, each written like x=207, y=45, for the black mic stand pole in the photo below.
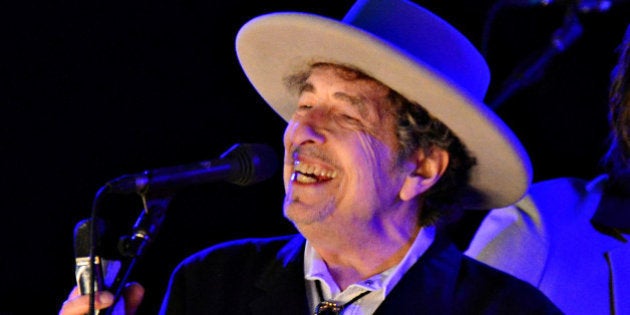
x=562, y=38
x=143, y=233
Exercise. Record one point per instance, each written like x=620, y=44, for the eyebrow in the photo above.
x=356, y=102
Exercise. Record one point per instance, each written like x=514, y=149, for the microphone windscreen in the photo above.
x=82, y=237
x=256, y=162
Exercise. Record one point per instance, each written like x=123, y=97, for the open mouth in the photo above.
x=309, y=174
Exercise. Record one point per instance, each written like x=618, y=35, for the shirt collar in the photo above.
x=315, y=268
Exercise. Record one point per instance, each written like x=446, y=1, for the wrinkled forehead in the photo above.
x=297, y=81
x=350, y=88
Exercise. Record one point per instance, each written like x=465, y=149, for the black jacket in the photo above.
x=265, y=276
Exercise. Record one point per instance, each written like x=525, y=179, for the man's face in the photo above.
x=340, y=162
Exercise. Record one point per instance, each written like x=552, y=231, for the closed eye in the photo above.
x=304, y=107
x=351, y=121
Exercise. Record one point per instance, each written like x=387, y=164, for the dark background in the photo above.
x=96, y=89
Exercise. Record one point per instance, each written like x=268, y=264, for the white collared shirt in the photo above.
x=381, y=284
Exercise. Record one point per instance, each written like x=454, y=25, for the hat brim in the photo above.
x=273, y=46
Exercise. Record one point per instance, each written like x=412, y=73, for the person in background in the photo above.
x=569, y=237
x=387, y=140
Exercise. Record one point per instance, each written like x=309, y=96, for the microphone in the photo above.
x=241, y=164
x=84, y=269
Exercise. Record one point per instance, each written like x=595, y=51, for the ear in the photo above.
x=429, y=166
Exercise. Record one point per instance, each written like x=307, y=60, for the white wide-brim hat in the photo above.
x=412, y=51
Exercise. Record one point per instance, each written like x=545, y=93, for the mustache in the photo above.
x=310, y=152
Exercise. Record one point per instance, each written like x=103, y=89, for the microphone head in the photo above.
x=82, y=237
x=255, y=162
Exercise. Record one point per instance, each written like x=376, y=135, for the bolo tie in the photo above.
x=326, y=307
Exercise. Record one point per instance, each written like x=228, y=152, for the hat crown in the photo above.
x=426, y=38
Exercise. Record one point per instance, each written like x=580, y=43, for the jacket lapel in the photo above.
x=282, y=283
x=428, y=287
x=620, y=273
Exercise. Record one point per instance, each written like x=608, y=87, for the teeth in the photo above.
x=313, y=171
x=300, y=178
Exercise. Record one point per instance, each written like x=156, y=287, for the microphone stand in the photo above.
x=562, y=38
x=241, y=164
x=133, y=246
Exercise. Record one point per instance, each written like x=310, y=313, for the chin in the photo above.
x=301, y=214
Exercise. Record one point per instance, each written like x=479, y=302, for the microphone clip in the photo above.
x=146, y=226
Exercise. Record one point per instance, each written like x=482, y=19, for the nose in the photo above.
x=309, y=127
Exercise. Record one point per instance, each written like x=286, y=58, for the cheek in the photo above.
x=374, y=159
